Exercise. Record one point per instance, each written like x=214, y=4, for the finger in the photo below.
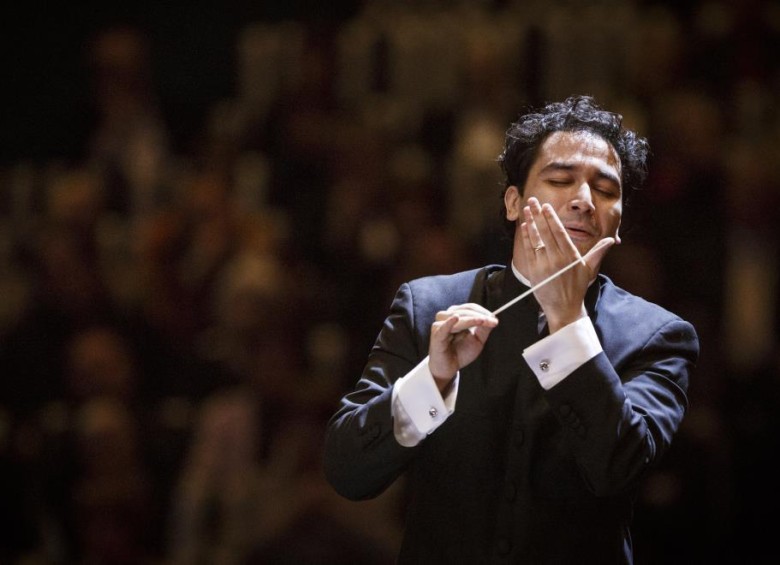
x=556, y=232
x=542, y=224
x=462, y=317
x=466, y=322
x=469, y=307
x=595, y=256
x=482, y=332
x=537, y=243
x=442, y=330
x=463, y=311
x=527, y=246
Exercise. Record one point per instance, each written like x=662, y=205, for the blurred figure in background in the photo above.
x=344, y=155
x=129, y=141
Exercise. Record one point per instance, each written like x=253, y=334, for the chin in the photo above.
x=584, y=246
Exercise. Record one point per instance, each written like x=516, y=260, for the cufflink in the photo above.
x=433, y=412
x=544, y=365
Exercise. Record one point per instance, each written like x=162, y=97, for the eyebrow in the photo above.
x=559, y=166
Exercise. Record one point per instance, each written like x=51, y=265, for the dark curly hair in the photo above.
x=576, y=113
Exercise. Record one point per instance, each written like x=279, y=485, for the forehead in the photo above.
x=577, y=148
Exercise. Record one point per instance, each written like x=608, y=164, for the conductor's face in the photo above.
x=579, y=174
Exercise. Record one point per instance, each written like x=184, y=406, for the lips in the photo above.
x=578, y=231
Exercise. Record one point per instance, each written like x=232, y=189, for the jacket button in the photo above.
x=564, y=409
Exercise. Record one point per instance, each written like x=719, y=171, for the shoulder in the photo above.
x=452, y=288
x=452, y=282
x=630, y=307
x=425, y=296
x=622, y=313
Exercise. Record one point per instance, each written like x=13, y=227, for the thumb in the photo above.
x=595, y=256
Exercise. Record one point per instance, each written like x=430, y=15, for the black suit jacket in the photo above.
x=518, y=474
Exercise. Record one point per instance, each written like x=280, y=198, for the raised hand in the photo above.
x=546, y=248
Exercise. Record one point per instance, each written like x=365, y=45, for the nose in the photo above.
x=582, y=200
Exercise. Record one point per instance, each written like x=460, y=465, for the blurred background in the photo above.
x=207, y=208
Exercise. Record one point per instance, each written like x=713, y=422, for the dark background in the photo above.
x=45, y=53
x=171, y=347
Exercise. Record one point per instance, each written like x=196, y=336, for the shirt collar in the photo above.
x=591, y=296
x=519, y=275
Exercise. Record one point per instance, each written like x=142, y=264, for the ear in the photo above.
x=513, y=203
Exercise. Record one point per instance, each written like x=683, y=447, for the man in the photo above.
x=525, y=435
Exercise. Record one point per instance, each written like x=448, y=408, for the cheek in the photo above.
x=611, y=219
x=556, y=199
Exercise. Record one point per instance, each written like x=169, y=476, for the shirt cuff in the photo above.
x=556, y=356
x=418, y=407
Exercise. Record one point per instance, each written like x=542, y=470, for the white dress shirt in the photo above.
x=418, y=407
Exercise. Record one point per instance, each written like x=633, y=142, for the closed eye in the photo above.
x=606, y=191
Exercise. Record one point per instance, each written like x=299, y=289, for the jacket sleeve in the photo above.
x=362, y=457
x=620, y=422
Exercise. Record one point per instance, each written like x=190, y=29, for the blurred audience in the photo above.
x=177, y=323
